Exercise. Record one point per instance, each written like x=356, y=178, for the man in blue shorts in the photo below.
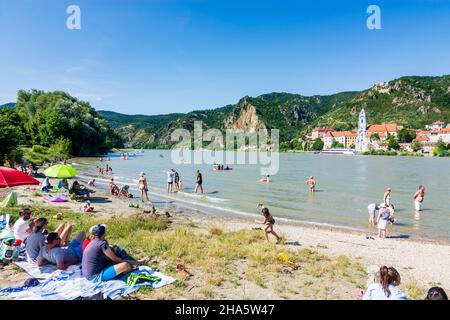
x=100, y=263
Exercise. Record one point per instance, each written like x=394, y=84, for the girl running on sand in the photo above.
x=269, y=221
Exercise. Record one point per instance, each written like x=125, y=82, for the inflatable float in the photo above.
x=55, y=199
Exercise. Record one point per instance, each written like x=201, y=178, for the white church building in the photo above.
x=373, y=136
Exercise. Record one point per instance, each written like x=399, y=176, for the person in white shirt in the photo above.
x=22, y=228
x=170, y=179
x=387, y=287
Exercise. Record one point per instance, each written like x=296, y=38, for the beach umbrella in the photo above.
x=60, y=171
x=12, y=177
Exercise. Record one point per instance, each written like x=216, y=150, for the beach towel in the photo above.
x=10, y=200
x=5, y=230
x=55, y=199
x=70, y=284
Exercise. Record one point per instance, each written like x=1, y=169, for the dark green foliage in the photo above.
x=393, y=143
x=406, y=136
x=441, y=149
x=48, y=117
x=10, y=136
x=317, y=145
x=337, y=144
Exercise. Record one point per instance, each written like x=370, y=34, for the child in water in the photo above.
x=269, y=221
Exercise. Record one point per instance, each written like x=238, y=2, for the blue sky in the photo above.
x=155, y=56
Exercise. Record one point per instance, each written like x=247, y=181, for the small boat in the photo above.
x=338, y=151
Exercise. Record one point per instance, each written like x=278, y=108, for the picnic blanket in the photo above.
x=10, y=200
x=70, y=284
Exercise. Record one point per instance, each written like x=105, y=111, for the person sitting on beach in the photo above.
x=123, y=192
x=311, y=182
x=384, y=214
x=91, y=183
x=46, y=185
x=387, y=287
x=436, y=293
x=36, y=240
x=23, y=226
x=63, y=184
x=86, y=207
x=113, y=188
x=418, y=198
x=99, y=262
x=80, y=190
x=269, y=221
x=62, y=257
x=372, y=208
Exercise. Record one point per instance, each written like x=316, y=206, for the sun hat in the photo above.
x=142, y=173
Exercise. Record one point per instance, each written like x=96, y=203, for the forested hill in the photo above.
x=53, y=120
x=409, y=101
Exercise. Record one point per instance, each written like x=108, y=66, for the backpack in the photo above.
x=8, y=252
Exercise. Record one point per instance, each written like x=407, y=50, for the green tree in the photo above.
x=375, y=137
x=49, y=116
x=441, y=149
x=337, y=144
x=393, y=143
x=10, y=136
x=406, y=136
x=317, y=145
x=416, y=145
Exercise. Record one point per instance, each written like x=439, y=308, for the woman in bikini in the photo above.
x=143, y=188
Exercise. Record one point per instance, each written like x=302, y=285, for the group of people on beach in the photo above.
x=386, y=210
x=104, y=170
x=99, y=260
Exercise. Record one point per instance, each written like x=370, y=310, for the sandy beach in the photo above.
x=422, y=264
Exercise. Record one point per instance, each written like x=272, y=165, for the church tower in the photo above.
x=362, y=128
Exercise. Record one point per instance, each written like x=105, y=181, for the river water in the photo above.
x=345, y=186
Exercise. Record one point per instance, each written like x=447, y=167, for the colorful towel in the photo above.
x=5, y=230
x=70, y=284
x=55, y=199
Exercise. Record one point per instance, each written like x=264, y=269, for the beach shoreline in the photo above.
x=421, y=263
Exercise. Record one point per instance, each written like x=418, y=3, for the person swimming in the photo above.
x=265, y=180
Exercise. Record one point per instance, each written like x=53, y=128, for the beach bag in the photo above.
x=9, y=252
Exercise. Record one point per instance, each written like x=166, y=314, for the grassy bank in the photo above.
x=229, y=265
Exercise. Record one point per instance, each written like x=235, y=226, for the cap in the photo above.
x=98, y=230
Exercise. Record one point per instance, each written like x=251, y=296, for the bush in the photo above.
x=39, y=149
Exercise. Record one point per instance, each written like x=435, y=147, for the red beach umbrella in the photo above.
x=12, y=177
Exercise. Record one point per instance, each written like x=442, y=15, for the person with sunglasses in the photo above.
x=62, y=257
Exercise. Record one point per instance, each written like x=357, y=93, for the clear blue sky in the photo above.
x=161, y=56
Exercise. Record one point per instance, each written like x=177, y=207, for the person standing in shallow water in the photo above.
x=418, y=198
x=311, y=182
x=143, y=187
x=387, y=197
x=199, y=182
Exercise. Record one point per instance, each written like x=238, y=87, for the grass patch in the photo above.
x=415, y=291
